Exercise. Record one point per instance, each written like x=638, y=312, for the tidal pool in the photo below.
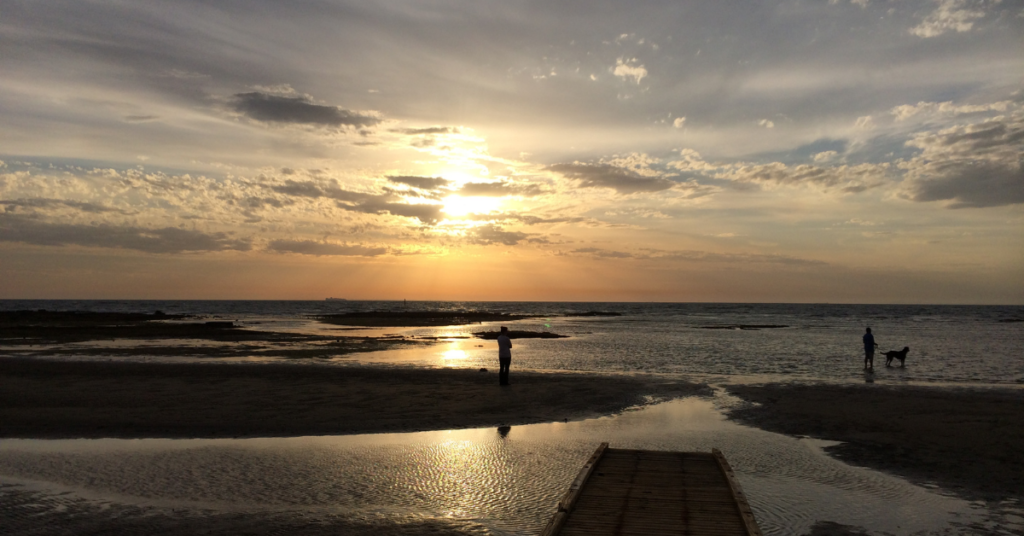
x=506, y=480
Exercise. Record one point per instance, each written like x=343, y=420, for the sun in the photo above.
x=457, y=206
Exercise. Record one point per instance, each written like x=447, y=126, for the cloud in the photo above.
x=493, y=234
x=949, y=15
x=602, y=253
x=360, y=202
x=737, y=258
x=140, y=118
x=40, y=202
x=623, y=181
x=626, y=69
x=499, y=189
x=164, y=240
x=315, y=190
x=849, y=179
x=428, y=130
x=907, y=111
x=679, y=122
x=298, y=110
x=692, y=161
x=825, y=156
x=650, y=254
x=423, y=183
x=311, y=247
x=426, y=213
x=538, y=220
x=865, y=122
x=975, y=165
x=766, y=123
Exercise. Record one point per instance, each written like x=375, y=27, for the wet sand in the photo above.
x=55, y=399
x=964, y=440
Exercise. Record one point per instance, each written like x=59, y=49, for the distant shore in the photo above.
x=965, y=440
x=88, y=399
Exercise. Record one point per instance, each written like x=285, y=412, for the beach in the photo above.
x=963, y=440
x=87, y=399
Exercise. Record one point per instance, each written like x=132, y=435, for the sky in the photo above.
x=854, y=151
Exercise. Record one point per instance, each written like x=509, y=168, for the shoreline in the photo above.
x=42, y=399
x=964, y=440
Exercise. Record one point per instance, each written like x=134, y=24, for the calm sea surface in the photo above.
x=949, y=344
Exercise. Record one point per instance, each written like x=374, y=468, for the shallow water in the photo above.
x=949, y=344
x=508, y=482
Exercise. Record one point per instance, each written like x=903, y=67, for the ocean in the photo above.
x=949, y=344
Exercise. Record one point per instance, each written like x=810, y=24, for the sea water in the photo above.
x=973, y=345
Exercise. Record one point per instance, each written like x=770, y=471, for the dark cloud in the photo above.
x=426, y=213
x=969, y=184
x=164, y=240
x=298, y=110
x=42, y=202
x=310, y=247
x=316, y=190
x=423, y=183
x=254, y=202
x=360, y=202
x=428, y=130
x=499, y=189
x=493, y=234
x=971, y=166
x=621, y=180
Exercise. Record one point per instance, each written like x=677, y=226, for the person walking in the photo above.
x=869, y=350
x=504, y=356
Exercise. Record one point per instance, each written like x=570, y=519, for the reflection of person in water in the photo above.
x=504, y=356
x=869, y=350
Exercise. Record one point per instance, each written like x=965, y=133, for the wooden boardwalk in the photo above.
x=645, y=492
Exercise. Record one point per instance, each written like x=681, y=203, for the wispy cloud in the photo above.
x=163, y=240
x=312, y=247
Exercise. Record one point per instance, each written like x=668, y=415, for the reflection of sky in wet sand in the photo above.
x=509, y=483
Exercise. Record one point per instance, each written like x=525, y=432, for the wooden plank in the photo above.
x=651, y=493
x=737, y=491
x=576, y=487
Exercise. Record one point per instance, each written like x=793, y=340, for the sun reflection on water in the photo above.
x=454, y=355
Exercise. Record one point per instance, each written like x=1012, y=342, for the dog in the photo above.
x=893, y=354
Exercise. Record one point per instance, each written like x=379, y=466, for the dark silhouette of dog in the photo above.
x=893, y=354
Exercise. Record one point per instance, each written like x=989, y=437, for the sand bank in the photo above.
x=965, y=440
x=48, y=399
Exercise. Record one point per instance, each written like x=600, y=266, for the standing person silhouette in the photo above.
x=869, y=350
x=504, y=356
